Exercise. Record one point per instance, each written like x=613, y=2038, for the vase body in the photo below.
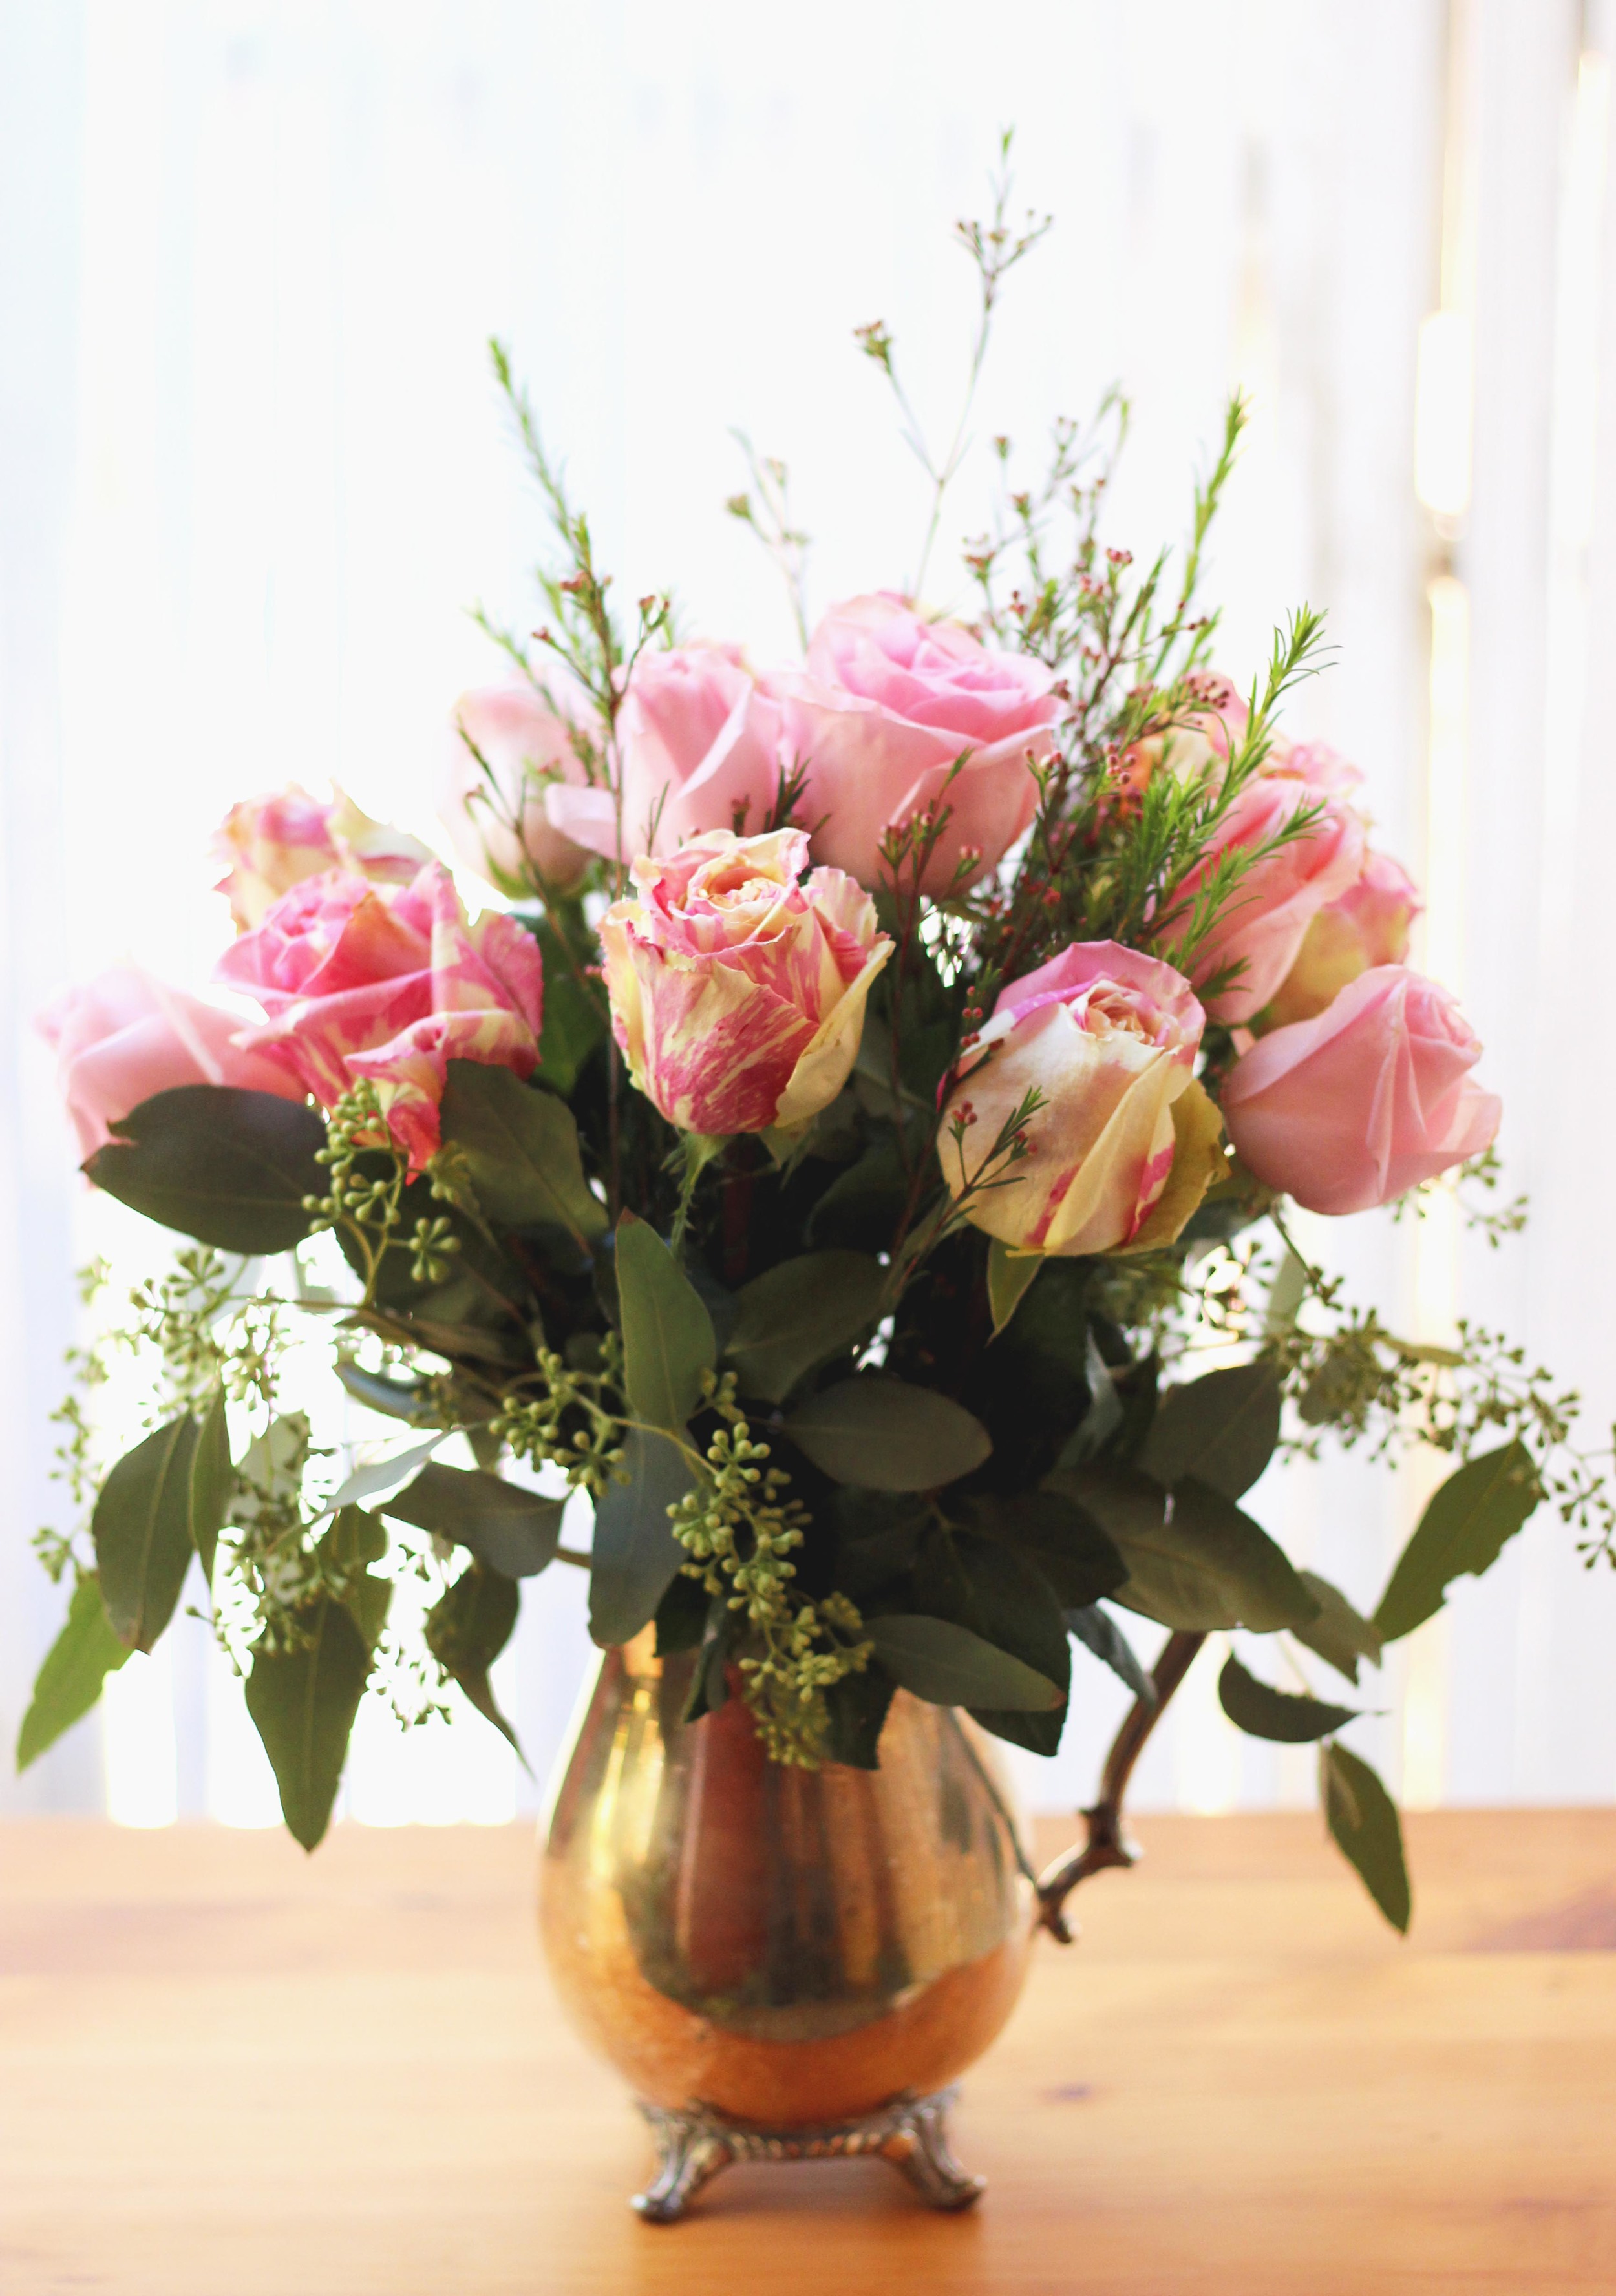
x=782, y=1947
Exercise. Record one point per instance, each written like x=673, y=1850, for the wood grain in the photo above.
x=226, y=2067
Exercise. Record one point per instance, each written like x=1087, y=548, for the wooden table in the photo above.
x=226, y=2070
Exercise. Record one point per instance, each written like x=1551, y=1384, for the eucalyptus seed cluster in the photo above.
x=369, y=1204
x=740, y=1531
x=575, y=1422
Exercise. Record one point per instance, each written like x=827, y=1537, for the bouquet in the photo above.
x=876, y=1099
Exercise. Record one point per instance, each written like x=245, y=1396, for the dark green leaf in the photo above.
x=1363, y=1818
x=1065, y=1542
x=709, y=1679
x=574, y=1023
x=636, y=1553
x=859, y=1705
x=1098, y=1631
x=521, y=1152
x=396, y=1399
x=800, y=1314
x=227, y=1166
x=1221, y=1427
x=888, y=1435
x=863, y=1205
x=667, y=1336
x=682, y=1616
x=1339, y=1633
x=949, y=1666
x=212, y=1481
x=1104, y=1416
x=467, y=1629
x=1263, y=1712
x=515, y=1532
x=142, y=1528
x=1206, y=1565
x=76, y=1664
x=1481, y=1505
x=354, y=1539
x=303, y=1703
x=1010, y=1276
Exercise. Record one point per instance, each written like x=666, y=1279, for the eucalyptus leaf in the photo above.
x=212, y=1481
x=1262, y=1711
x=1203, y=1565
x=1340, y=1633
x=636, y=1555
x=1098, y=1631
x=466, y=1629
x=1221, y=1427
x=949, y=1666
x=141, y=1530
x=302, y=1702
x=386, y=1474
x=70, y=1681
x=1051, y=1531
x=1480, y=1506
x=682, y=1616
x=1010, y=1277
x=574, y=1023
x=227, y=1166
x=1363, y=1818
x=797, y=1314
x=354, y=1539
x=514, y=1531
x=521, y=1152
x=395, y=1399
x=667, y=1334
x=858, y=1706
x=886, y=1435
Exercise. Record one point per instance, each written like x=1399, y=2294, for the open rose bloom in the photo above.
x=852, y=1154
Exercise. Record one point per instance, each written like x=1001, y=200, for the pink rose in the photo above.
x=737, y=994
x=1367, y=926
x=392, y=983
x=699, y=746
x=1357, y=1106
x=507, y=834
x=889, y=702
x=127, y=1036
x=273, y=842
x=1263, y=924
x=1108, y=1037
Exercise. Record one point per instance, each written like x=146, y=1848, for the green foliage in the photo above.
x=1464, y=1527
x=886, y=1435
x=667, y=1334
x=636, y=1555
x=1202, y=1565
x=233, y=1169
x=1098, y=1632
x=1010, y=1276
x=465, y=1632
x=513, y=1531
x=1363, y=1819
x=1221, y=1427
x=575, y=1022
x=212, y=1481
x=1340, y=1633
x=1262, y=1711
x=70, y=1681
x=141, y=1530
x=796, y=1315
x=948, y=1665
x=520, y=1151
x=302, y=1699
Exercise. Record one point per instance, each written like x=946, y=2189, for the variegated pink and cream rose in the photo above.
x=738, y=984
x=1107, y=1037
x=388, y=982
x=273, y=842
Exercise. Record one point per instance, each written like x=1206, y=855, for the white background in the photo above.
x=252, y=470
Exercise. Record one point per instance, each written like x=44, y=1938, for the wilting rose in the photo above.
x=273, y=842
x=1355, y=1107
x=1108, y=1038
x=699, y=745
x=1263, y=924
x=1367, y=926
x=126, y=1036
x=737, y=994
x=506, y=833
x=886, y=706
x=388, y=982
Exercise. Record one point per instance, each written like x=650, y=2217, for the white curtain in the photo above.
x=252, y=472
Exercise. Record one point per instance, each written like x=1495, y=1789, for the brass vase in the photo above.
x=782, y=1963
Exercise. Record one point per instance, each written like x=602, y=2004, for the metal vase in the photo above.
x=775, y=1957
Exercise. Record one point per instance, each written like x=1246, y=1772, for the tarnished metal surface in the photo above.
x=782, y=1947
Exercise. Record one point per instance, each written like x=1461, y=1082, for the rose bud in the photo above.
x=126, y=1036
x=888, y=704
x=1108, y=1037
x=1367, y=926
x=273, y=842
x=737, y=994
x=505, y=832
x=388, y=982
x=1357, y=1105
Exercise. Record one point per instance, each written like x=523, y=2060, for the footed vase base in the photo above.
x=694, y=2144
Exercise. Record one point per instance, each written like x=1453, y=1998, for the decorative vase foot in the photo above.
x=693, y=2145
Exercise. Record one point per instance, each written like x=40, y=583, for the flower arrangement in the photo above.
x=886, y=1077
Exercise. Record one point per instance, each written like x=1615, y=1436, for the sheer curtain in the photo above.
x=252, y=470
